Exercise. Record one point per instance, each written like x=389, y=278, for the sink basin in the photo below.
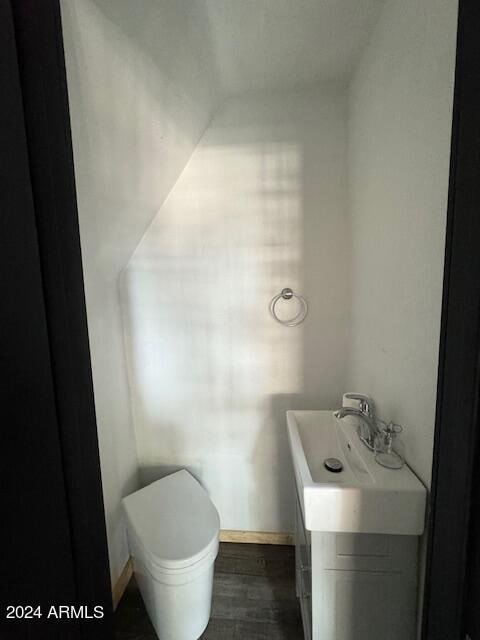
x=362, y=498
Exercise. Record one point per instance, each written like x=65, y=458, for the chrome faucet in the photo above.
x=366, y=414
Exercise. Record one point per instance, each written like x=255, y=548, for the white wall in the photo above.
x=260, y=206
x=400, y=111
x=262, y=45
x=142, y=88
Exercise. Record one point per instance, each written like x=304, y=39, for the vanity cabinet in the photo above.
x=355, y=586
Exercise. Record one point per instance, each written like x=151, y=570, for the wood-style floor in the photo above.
x=253, y=598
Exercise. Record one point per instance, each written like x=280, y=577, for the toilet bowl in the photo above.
x=172, y=530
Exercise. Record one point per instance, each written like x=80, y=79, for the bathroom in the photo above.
x=225, y=151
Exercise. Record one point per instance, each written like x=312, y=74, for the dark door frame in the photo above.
x=52, y=513
x=41, y=76
x=456, y=429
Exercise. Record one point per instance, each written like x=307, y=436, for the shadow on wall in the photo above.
x=260, y=206
x=139, y=103
x=141, y=94
x=159, y=26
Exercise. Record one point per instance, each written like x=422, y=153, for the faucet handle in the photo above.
x=366, y=403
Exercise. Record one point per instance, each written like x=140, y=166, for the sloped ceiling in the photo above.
x=281, y=44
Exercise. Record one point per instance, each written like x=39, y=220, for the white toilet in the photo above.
x=173, y=528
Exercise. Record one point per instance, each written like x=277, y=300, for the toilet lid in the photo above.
x=174, y=520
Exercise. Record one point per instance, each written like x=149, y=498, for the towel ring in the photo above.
x=288, y=294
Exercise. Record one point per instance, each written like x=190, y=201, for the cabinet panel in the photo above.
x=303, y=582
x=366, y=552
x=355, y=586
x=303, y=537
x=367, y=545
x=362, y=603
x=306, y=610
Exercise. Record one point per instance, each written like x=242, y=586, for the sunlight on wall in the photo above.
x=218, y=357
x=211, y=372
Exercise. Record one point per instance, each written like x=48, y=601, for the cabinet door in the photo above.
x=361, y=605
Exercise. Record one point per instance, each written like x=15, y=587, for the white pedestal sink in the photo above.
x=356, y=534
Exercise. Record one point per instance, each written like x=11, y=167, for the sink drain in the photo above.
x=333, y=464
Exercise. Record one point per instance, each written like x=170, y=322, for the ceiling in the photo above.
x=281, y=44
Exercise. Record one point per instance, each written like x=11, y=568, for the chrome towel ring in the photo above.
x=288, y=294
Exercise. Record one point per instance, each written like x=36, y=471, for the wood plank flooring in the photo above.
x=253, y=598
